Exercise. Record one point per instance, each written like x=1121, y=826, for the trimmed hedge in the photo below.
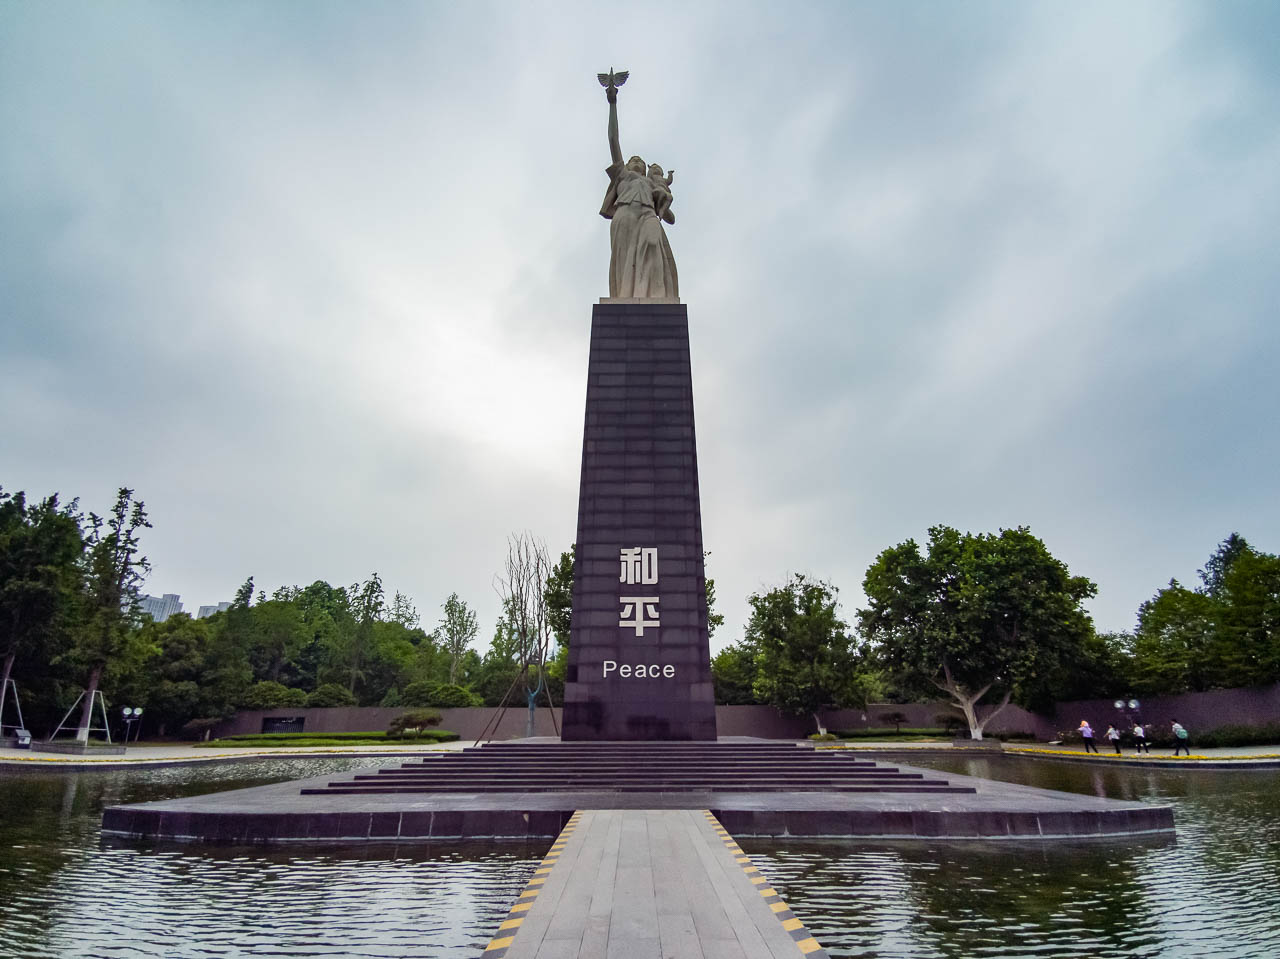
x=925, y=732
x=375, y=736
x=333, y=739
x=441, y=695
x=271, y=695
x=330, y=695
x=1266, y=734
x=911, y=732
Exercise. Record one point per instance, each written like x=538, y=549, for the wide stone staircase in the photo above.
x=639, y=767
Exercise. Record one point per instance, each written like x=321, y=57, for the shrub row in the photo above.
x=872, y=732
x=335, y=739
x=1266, y=734
x=290, y=737
x=933, y=732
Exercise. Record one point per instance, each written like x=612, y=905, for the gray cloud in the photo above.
x=316, y=279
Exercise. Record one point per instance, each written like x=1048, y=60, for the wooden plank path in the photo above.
x=649, y=884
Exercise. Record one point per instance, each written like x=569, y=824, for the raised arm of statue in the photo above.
x=611, y=81
x=615, y=148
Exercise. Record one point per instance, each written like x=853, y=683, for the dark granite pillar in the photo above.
x=639, y=659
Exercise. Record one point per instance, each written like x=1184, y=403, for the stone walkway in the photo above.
x=649, y=884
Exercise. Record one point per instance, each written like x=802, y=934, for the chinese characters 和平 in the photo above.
x=638, y=567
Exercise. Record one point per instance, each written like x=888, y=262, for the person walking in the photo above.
x=1140, y=739
x=1086, y=733
x=1180, y=738
x=1113, y=737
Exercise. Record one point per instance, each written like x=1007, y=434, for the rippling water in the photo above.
x=1215, y=892
x=64, y=892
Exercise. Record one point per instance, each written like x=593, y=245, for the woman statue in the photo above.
x=638, y=199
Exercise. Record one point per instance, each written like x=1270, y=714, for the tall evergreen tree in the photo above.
x=40, y=547
x=114, y=570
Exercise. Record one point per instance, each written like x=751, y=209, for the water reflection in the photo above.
x=64, y=893
x=1212, y=893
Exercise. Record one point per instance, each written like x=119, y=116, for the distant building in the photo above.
x=210, y=610
x=160, y=608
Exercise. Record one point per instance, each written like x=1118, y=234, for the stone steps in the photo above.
x=638, y=768
x=516, y=787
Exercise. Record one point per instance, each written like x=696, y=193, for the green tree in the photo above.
x=457, y=630
x=277, y=634
x=190, y=673
x=558, y=596
x=40, y=547
x=366, y=609
x=452, y=696
x=977, y=615
x=269, y=695
x=1214, y=574
x=444, y=695
x=733, y=673
x=413, y=721
x=326, y=611
x=1101, y=666
x=403, y=611
x=1249, y=619
x=114, y=571
x=389, y=659
x=329, y=695
x=1173, y=644
x=1223, y=634
x=804, y=657
x=500, y=665
x=235, y=626
x=714, y=620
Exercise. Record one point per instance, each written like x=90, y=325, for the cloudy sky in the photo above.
x=316, y=279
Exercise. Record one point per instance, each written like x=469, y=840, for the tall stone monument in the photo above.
x=639, y=657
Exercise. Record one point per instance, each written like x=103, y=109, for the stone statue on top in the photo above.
x=637, y=202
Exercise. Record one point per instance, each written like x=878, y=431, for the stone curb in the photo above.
x=508, y=928
x=125, y=762
x=806, y=943
x=1261, y=761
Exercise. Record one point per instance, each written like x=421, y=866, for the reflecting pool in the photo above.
x=64, y=892
x=1214, y=892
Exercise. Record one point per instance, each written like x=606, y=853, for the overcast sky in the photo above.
x=316, y=279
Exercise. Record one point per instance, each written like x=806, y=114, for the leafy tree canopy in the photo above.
x=733, y=672
x=330, y=694
x=1226, y=633
x=977, y=614
x=269, y=695
x=803, y=654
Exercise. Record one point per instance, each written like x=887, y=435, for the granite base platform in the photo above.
x=281, y=813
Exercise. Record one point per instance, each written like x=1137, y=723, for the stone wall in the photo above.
x=1196, y=711
x=467, y=723
x=1012, y=719
x=761, y=721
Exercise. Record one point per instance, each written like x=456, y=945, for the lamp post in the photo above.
x=1128, y=710
x=131, y=715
